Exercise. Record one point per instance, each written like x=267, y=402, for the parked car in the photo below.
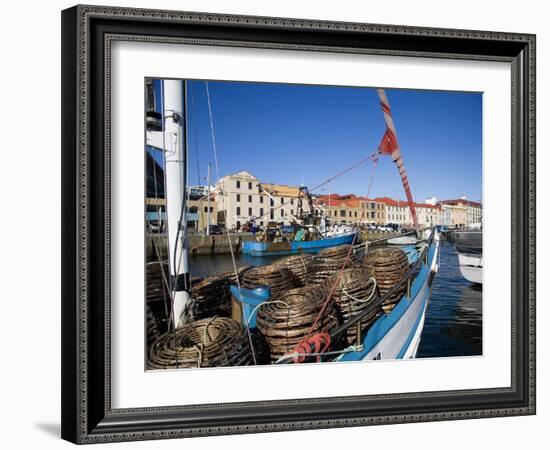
x=215, y=229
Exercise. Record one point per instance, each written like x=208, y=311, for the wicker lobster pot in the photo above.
x=329, y=261
x=354, y=292
x=277, y=277
x=287, y=321
x=157, y=295
x=389, y=266
x=298, y=265
x=211, y=296
x=152, y=327
x=213, y=342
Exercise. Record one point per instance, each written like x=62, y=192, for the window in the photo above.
x=238, y=197
x=238, y=210
x=249, y=199
x=282, y=212
x=349, y=213
x=355, y=213
x=193, y=209
x=271, y=215
x=250, y=185
x=261, y=198
x=271, y=203
x=238, y=184
x=292, y=211
x=292, y=201
x=342, y=213
x=282, y=201
x=261, y=212
x=250, y=212
x=238, y=224
x=261, y=223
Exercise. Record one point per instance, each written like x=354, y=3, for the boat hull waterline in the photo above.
x=254, y=248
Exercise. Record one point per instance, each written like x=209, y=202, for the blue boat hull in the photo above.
x=397, y=335
x=292, y=247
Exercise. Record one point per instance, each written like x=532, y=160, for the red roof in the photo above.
x=392, y=202
x=353, y=201
x=349, y=200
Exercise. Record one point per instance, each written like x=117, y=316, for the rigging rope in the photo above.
x=249, y=335
x=195, y=135
x=212, y=131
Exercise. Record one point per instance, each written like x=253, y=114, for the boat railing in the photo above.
x=407, y=278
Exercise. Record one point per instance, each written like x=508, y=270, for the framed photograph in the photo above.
x=281, y=224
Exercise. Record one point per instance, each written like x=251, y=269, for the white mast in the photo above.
x=175, y=148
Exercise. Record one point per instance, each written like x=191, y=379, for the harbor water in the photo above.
x=453, y=325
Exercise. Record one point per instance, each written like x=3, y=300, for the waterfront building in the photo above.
x=242, y=197
x=197, y=216
x=465, y=213
x=197, y=192
x=197, y=213
x=398, y=212
x=350, y=208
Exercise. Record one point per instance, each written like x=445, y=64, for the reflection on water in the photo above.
x=453, y=325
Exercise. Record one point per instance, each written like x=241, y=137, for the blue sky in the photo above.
x=297, y=134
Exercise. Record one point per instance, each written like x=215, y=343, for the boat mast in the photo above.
x=390, y=146
x=175, y=151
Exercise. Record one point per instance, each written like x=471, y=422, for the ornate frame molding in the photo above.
x=86, y=67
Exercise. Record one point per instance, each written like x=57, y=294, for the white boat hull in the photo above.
x=471, y=267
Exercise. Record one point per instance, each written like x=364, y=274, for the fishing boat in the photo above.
x=393, y=335
x=332, y=299
x=290, y=247
x=313, y=232
x=469, y=247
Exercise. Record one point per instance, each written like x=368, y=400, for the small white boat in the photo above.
x=471, y=267
x=402, y=240
x=469, y=246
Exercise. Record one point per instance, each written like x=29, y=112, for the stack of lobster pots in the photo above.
x=329, y=261
x=294, y=316
x=354, y=292
x=388, y=266
x=298, y=266
x=212, y=342
x=277, y=277
x=158, y=299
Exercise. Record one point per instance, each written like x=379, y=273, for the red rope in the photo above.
x=319, y=341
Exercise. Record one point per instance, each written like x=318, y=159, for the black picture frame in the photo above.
x=87, y=33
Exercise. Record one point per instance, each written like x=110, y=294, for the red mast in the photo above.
x=390, y=146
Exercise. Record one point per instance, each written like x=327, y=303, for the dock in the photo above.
x=201, y=244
